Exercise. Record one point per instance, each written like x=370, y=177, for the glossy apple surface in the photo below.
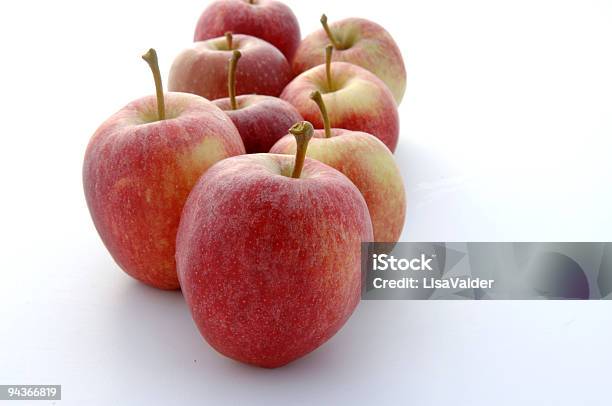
x=202, y=69
x=357, y=101
x=138, y=172
x=362, y=42
x=269, y=264
x=260, y=120
x=269, y=20
x=369, y=164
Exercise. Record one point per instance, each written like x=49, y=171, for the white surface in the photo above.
x=506, y=130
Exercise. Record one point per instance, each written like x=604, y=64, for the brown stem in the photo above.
x=151, y=58
x=317, y=98
x=330, y=35
x=303, y=132
x=328, y=58
x=230, y=40
x=231, y=78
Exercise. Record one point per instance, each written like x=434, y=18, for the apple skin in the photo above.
x=202, y=69
x=260, y=120
x=138, y=173
x=360, y=102
x=369, y=164
x=269, y=20
x=270, y=265
x=369, y=46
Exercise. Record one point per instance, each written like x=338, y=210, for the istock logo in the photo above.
x=384, y=262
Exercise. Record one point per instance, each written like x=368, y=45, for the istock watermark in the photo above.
x=486, y=270
x=383, y=262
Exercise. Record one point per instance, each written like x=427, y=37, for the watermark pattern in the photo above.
x=486, y=270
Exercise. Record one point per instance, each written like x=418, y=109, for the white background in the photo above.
x=506, y=129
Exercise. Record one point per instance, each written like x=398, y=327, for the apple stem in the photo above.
x=151, y=58
x=230, y=40
x=317, y=98
x=303, y=132
x=328, y=58
x=331, y=37
x=231, y=81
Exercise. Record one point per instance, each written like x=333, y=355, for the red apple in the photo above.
x=261, y=120
x=202, y=69
x=269, y=20
x=368, y=163
x=140, y=166
x=268, y=254
x=360, y=42
x=355, y=98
